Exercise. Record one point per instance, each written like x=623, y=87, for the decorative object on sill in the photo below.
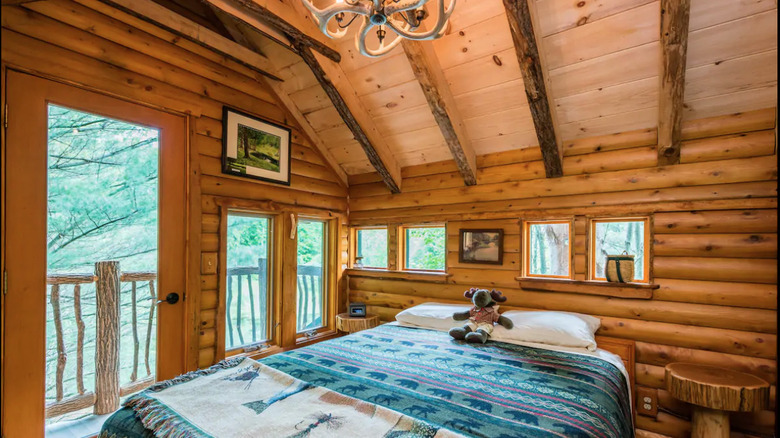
x=357, y=309
x=255, y=148
x=358, y=262
x=403, y=17
x=481, y=246
x=620, y=268
x=348, y=324
x=714, y=391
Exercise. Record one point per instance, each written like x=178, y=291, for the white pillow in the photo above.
x=553, y=328
x=434, y=316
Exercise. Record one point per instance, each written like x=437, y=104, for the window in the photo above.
x=424, y=248
x=371, y=248
x=547, y=248
x=311, y=297
x=613, y=237
x=247, y=297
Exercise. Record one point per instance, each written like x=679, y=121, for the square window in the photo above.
x=547, y=249
x=425, y=248
x=618, y=236
x=371, y=248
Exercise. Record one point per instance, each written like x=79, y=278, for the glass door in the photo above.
x=98, y=196
x=311, y=299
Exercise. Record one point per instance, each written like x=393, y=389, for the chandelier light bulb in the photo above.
x=402, y=17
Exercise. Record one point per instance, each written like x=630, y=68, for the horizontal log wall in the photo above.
x=715, y=244
x=90, y=44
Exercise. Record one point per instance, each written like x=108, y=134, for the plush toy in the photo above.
x=481, y=317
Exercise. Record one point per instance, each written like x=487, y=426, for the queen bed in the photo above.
x=423, y=382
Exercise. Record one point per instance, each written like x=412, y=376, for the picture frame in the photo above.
x=255, y=148
x=481, y=246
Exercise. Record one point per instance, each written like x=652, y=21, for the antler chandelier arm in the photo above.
x=433, y=33
x=365, y=28
x=323, y=16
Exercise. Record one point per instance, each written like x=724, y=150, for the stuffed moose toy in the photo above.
x=481, y=317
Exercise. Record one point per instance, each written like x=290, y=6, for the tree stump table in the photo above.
x=353, y=324
x=713, y=392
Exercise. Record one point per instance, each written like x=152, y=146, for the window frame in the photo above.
x=326, y=258
x=402, y=247
x=355, y=246
x=592, y=222
x=526, y=253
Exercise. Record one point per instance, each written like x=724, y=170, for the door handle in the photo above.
x=171, y=298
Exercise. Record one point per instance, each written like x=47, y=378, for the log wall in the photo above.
x=91, y=45
x=714, y=249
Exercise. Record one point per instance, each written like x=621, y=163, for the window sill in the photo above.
x=641, y=291
x=428, y=277
x=323, y=335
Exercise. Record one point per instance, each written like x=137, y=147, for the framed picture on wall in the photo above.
x=255, y=148
x=483, y=246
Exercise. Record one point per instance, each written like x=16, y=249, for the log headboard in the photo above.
x=625, y=348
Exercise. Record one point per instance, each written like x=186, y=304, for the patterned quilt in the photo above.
x=494, y=390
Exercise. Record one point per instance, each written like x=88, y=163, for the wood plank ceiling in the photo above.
x=603, y=64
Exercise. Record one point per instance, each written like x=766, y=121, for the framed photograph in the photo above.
x=481, y=246
x=255, y=148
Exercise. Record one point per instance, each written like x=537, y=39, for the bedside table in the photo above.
x=714, y=391
x=345, y=323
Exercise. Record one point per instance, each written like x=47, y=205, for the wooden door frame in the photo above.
x=25, y=417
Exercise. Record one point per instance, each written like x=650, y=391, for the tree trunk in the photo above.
x=107, y=344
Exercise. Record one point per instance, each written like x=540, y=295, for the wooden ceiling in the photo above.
x=602, y=61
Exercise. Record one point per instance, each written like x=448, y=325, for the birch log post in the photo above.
x=61, y=355
x=107, y=344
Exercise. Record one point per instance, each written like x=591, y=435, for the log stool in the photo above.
x=353, y=324
x=713, y=392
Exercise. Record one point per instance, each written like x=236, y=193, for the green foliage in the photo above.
x=311, y=246
x=258, y=149
x=247, y=239
x=426, y=248
x=372, y=247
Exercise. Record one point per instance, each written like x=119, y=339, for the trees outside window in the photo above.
x=425, y=248
x=371, y=248
x=547, y=249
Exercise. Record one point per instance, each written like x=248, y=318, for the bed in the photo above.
x=445, y=387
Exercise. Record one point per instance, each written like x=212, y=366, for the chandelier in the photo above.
x=403, y=17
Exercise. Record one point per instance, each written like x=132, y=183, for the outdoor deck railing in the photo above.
x=108, y=280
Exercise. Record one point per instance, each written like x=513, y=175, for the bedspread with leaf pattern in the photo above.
x=494, y=390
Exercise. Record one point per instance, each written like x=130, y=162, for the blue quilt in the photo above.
x=494, y=390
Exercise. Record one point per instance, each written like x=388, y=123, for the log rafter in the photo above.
x=536, y=88
x=675, y=15
x=242, y=33
x=429, y=74
x=355, y=116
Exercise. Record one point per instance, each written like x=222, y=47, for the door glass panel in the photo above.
x=246, y=302
x=311, y=275
x=102, y=218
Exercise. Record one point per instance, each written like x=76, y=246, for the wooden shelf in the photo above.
x=430, y=277
x=642, y=291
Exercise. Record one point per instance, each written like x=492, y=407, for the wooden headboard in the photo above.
x=626, y=349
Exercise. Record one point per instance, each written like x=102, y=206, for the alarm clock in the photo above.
x=357, y=310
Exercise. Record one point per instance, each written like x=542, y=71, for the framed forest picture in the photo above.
x=481, y=246
x=255, y=148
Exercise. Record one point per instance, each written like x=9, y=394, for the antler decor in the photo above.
x=403, y=17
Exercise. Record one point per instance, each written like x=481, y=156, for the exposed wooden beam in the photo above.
x=245, y=36
x=355, y=116
x=286, y=20
x=425, y=65
x=675, y=15
x=239, y=13
x=168, y=20
x=536, y=86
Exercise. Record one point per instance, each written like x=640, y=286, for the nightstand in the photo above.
x=714, y=391
x=353, y=324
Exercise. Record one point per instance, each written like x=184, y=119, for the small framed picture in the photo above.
x=255, y=148
x=481, y=246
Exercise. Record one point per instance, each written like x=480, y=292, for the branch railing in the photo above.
x=240, y=287
x=107, y=391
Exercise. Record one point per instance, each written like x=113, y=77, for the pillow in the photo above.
x=553, y=328
x=434, y=316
